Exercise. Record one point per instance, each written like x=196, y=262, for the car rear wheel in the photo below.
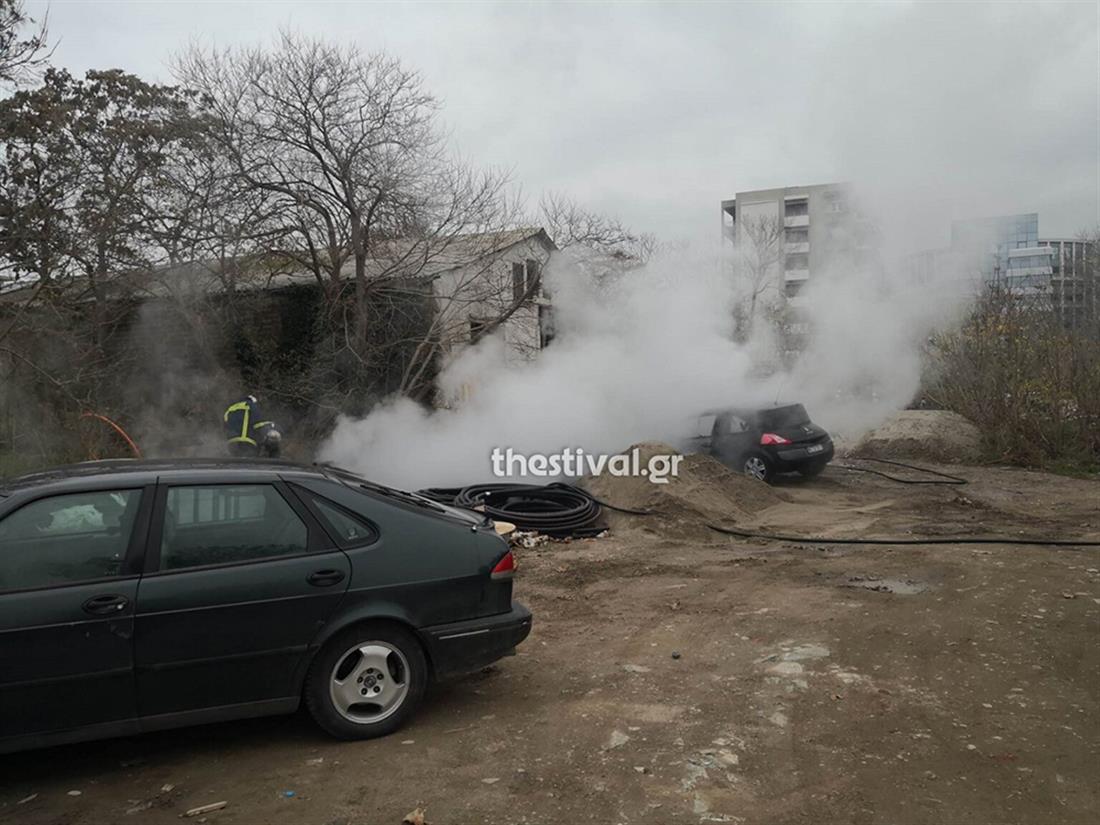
x=814, y=468
x=366, y=681
x=758, y=466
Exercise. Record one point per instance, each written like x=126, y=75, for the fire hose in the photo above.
x=943, y=478
x=908, y=540
x=561, y=510
x=117, y=428
x=554, y=509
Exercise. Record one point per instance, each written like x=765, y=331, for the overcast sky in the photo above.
x=657, y=112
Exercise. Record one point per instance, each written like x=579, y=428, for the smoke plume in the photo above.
x=638, y=356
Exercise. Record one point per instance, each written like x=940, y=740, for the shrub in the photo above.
x=1032, y=387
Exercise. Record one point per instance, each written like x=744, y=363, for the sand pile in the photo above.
x=705, y=490
x=938, y=435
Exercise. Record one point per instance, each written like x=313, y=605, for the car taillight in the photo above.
x=771, y=438
x=506, y=567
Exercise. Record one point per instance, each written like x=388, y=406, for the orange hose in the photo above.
x=117, y=429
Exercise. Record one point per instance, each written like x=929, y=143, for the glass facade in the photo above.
x=1029, y=261
x=990, y=242
x=1003, y=233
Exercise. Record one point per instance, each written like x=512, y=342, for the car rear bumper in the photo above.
x=795, y=457
x=464, y=646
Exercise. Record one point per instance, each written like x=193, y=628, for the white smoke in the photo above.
x=631, y=359
x=638, y=357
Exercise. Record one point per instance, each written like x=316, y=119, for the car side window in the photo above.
x=67, y=538
x=228, y=523
x=348, y=530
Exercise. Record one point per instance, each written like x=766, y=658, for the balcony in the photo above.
x=796, y=220
x=796, y=275
x=796, y=246
x=798, y=302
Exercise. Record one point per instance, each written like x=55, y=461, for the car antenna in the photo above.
x=779, y=390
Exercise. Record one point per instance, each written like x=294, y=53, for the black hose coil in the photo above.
x=553, y=509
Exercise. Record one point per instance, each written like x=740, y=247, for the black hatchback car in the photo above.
x=137, y=596
x=763, y=442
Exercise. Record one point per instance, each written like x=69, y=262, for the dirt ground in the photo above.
x=675, y=675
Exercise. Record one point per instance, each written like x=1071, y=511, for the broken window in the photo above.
x=546, y=326
x=519, y=281
x=532, y=277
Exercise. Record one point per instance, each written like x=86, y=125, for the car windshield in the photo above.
x=792, y=415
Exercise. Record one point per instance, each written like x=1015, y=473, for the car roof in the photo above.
x=145, y=470
x=744, y=411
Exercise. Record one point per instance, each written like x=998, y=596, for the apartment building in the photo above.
x=804, y=230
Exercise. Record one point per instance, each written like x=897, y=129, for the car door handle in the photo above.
x=325, y=578
x=106, y=605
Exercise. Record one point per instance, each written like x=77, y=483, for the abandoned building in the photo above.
x=169, y=339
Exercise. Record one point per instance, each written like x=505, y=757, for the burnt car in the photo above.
x=763, y=442
x=137, y=596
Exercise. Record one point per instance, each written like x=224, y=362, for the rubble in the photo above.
x=206, y=809
x=616, y=740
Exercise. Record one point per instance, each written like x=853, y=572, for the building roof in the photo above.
x=421, y=259
x=797, y=190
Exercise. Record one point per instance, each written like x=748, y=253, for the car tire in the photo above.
x=757, y=465
x=366, y=681
x=813, y=469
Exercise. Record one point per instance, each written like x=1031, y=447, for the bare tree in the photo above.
x=760, y=250
x=21, y=57
x=574, y=227
x=363, y=190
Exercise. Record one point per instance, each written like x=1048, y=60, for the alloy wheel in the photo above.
x=755, y=467
x=369, y=682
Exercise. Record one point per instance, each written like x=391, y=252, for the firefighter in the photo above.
x=246, y=431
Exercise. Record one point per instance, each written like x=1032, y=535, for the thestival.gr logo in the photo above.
x=574, y=461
